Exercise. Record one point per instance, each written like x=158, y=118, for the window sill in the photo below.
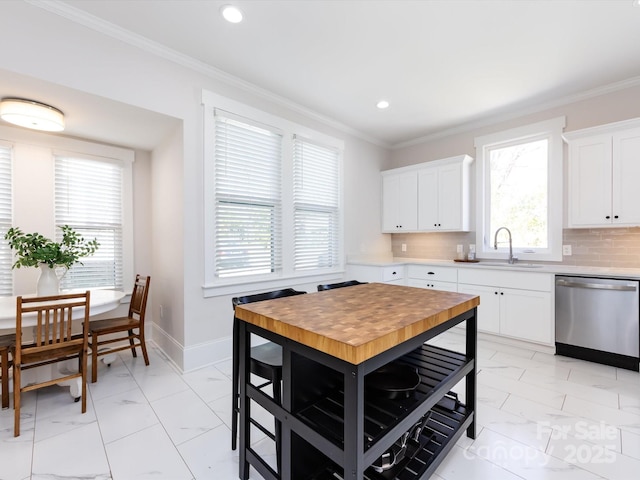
x=243, y=285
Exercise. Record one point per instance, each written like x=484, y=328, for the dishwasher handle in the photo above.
x=596, y=286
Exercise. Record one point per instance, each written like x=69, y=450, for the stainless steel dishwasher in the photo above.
x=598, y=319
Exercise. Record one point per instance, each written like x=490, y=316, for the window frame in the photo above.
x=551, y=130
x=214, y=286
x=7, y=258
x=23, y=141
x=126, y=204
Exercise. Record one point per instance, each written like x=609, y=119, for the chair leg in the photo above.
x=94, y=360
x=16, y=400
x=132, y=343
x=143, y=347
x=83, y=370
x=4, y=362
x=277, y=397
x=235, y=394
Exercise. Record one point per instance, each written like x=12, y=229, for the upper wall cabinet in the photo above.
x=399, y=201
x=428, y=197
x=604, y=167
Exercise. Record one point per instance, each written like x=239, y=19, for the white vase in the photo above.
x=48, y=282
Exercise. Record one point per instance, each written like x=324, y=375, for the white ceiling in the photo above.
x=442, y=64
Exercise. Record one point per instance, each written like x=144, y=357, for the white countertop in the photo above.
x=559, y=269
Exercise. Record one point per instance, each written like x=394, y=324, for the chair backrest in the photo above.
x=348, y=283
x=258, y=297
x=52, y=318
x=138, y=305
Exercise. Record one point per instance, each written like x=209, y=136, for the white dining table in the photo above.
x=101, y=301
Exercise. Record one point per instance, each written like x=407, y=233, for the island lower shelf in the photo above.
x=445, y=426
x=445, y=417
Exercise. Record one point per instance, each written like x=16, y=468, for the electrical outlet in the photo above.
x=404, y=247
x=459, y=248
x=566, y=250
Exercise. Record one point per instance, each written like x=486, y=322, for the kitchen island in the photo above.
x=332, y=425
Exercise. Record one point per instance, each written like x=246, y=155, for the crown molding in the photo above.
x=513, y=114
x=99, y=25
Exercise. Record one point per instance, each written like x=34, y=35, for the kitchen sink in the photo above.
x=511, y=265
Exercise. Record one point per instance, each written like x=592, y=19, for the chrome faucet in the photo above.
x=512, y=259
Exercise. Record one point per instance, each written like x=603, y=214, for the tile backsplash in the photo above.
x=597, y=247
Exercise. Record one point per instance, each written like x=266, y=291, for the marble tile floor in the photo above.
x=539, y=417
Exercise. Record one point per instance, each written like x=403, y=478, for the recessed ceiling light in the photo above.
x=382, y=104
x=232, y=14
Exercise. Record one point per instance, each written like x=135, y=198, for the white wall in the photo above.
x=193, y=330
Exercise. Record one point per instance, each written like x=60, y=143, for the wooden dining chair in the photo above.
x=6, y=345
x=129, y=328
x=265, y=362
x=53, y=341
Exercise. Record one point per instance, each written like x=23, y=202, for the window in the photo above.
x=273, y=202
x=6, y=256
x=247, y=198
x=316, y=204
x=89, y=198
x=519, y=186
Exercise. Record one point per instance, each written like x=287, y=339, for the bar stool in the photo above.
x=265, y=362
x=348, y=283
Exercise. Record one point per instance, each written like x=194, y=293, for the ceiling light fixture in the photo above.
x=31, y=114
x=232, y=14
x=382, y=104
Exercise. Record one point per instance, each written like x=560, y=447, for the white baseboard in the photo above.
x=194, y=357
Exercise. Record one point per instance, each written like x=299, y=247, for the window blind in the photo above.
x=316, y=203
x=248, y=195
x=6, y=256
x=89, y=198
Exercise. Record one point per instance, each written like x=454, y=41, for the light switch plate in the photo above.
x=566, y=250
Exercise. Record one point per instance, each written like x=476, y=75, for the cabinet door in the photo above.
x=626, y=172
x=428, y=209
x=451, y=198
x=400, y=202
x=489, y=308
x=526, y=314
x=590, y=181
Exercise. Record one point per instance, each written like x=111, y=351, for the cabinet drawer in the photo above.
x=429, y=272
x=498, y=278
x=433, y=284
x=392, y=273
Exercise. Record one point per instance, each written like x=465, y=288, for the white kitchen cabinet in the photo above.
x=399, y=202
x=489, y=308
x=443, y=196
x=431, y=196
x=393, y=274
x=512, y=304
x=433, y=277
x=603, y=167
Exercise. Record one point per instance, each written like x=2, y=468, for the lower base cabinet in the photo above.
x=489, y=308
x=522, y=313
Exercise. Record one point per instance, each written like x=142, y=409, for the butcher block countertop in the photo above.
x=358, y=322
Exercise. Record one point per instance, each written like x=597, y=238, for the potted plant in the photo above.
x=35, y=250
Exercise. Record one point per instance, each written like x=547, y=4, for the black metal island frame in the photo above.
x=332, y=425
